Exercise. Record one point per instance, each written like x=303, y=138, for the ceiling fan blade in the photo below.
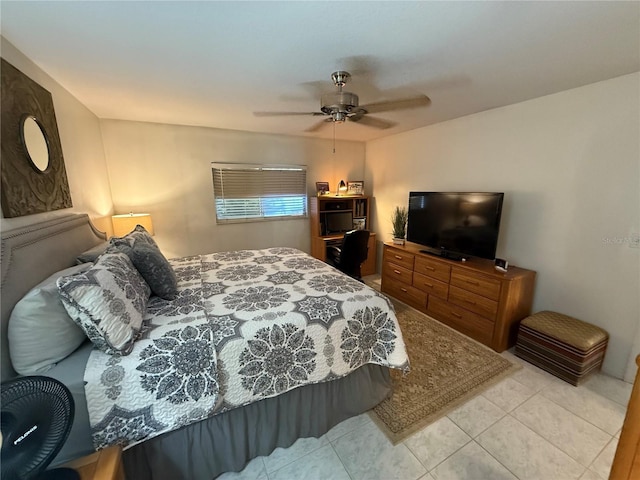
x=372, y=121
x=318, y=125
x=401, y=104
x=281, y=114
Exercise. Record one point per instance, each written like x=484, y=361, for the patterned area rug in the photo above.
x=447, y=369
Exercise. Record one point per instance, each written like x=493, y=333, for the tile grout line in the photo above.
x=296, y=459
x=447, y=457
x=499, y=462
x=486, y=428
x=340, y=459
x=416, y=457
x=580, y=416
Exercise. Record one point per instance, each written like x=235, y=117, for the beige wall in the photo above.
x=81, y=147
x=166, y=170
x=569, y=166
x=568, y=163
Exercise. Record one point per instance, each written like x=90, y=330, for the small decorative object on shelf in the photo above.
x=322, y=188
x=399, y=224
x=359, y=223
x=355, y=188
x=342, y=188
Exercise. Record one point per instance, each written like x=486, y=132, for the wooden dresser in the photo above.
x=470, y=296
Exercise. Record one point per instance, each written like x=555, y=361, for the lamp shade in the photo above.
x=123, y=224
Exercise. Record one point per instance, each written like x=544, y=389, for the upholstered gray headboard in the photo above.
x=31, y=254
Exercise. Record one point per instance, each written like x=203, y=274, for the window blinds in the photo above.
x=258, y=192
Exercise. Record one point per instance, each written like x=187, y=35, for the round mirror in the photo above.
x=35, y=143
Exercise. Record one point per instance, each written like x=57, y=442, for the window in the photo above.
x=248, y=193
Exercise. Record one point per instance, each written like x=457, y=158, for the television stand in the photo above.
x=470, y=296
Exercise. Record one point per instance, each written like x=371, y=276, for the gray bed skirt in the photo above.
x=227, y=442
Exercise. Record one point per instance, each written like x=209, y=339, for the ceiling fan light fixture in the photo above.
x=340, y=106
x=339, y=117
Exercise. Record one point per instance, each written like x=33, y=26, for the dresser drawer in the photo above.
x=406, y=293
x=397, y=273
x=474, y=302
x=433, y=268
x=487, y=287
x=398, y=257
x=469, y=323
x=430, y=285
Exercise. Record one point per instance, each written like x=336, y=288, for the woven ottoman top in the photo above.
x=568, y=330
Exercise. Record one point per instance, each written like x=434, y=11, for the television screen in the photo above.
x=455, y=225
x=339, y=222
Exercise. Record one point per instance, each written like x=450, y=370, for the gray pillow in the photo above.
x=149, y=261
x=154, y=268
x=92, y=254
x=138, y=234
x=108, y=302
x=41, y=333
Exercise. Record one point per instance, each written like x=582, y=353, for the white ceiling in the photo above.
x=214, y=63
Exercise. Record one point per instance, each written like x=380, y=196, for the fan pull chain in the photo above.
x=334, y=137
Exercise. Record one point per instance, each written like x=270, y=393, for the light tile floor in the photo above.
x=529, y=426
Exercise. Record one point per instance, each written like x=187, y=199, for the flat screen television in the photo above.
x=455, y=224
x=339, y=222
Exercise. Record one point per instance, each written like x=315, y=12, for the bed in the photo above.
x=248, y=299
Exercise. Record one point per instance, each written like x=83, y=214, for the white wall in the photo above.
x=81, y=147
x=166, y=170
x=569, y=166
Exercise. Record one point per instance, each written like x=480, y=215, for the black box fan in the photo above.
x=35, y=418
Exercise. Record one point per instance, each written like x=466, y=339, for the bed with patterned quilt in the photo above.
x=253, y=349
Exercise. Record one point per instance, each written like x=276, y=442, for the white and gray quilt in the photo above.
x=246, y=325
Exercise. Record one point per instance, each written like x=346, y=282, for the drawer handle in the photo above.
x=398, y=257
x=456, y=315
x=470, y=302
x=398, y=272
x=472, y=282
x=430, y=268
x=430, y=285
x=403, y=289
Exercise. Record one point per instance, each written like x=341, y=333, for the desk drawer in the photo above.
x=476, y=303
x=464, y=321
x=397, y=273
x=433, y=268
x=430, y=285
x=398, y=257
x=406, y=293
x=487, y=287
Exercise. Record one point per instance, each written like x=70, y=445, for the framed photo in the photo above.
x=359, y=223
x=355, y=188
x=322, y=188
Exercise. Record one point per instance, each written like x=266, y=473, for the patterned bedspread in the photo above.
x=246, y=325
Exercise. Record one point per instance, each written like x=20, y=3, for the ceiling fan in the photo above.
x=341, y=106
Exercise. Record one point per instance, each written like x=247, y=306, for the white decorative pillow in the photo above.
x=41, y=333
x=108, y=302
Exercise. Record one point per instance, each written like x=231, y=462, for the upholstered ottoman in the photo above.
x=564, y=346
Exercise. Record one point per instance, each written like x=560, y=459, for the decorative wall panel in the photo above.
x=33, y=175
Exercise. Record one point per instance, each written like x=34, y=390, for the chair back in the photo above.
x=355, y=249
